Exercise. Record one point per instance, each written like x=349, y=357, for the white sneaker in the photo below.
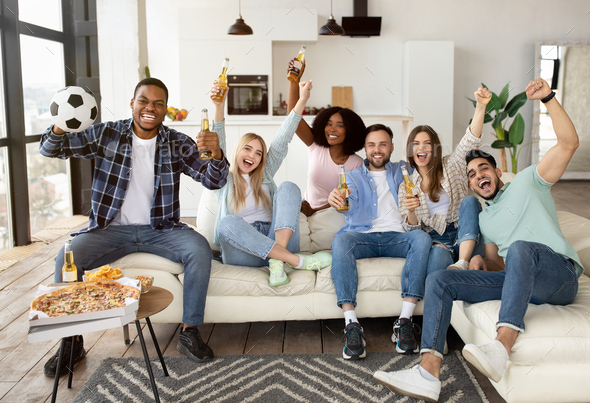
x=409, y=383
x=489, y=359
x=460, y=265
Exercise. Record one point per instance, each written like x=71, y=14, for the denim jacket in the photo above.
x=362, y=199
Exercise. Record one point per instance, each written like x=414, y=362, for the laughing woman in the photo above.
x=334, y=137
x=442, y=208
x=258, y=223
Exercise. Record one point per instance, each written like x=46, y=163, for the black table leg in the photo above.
x=149, y=323
x=59, y=360
x=71, y=367
x=147, y=362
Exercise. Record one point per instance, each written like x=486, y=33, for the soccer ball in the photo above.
x=73, y=109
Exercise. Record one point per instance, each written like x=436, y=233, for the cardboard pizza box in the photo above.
x=37, y=318
x=38, y=334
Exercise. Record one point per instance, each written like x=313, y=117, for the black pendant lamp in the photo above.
x=240, y=27
x=331, y=27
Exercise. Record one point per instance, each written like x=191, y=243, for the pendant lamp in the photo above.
x=240, y=27
x=331, y=27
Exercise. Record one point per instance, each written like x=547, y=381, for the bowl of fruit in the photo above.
x=177, y=115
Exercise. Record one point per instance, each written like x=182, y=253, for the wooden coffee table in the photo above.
x=155, y=300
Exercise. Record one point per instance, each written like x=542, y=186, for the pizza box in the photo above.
x=57, y=331
x=37, y=318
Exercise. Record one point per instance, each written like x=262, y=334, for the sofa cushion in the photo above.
x=323, y=226
x=553, y=334
x=148, y=261
x=375, y=274
x=576, y=230
x=231, y=280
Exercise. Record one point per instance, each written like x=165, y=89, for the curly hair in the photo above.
x=355, y=129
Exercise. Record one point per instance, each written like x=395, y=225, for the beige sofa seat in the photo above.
x=550, y=361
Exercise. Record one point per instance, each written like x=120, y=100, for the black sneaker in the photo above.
x=354, y=342
x=404, y=331
x=192, y=345
x=79, y=354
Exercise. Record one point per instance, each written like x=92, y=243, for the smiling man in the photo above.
x=374, y=229
x=531, y=260
x=135, y=202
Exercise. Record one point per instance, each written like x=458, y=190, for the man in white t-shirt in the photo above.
x=135, y=202
x=374, y=229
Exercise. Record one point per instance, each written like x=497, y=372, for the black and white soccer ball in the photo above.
x=73, y=109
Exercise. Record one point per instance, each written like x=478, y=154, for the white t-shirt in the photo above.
x=388, y=216
x=441, y=207
x=252, y=213
x=140, y=192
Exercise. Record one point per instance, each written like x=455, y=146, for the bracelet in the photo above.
x=548, y=97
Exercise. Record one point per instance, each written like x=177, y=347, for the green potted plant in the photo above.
x=503, y=110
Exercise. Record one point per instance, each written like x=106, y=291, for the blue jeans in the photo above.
x=244, y=244
x=350, y=246
x=534, y=274
x=96, y=248
x=468, y=229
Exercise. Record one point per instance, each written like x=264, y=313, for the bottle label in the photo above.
x=296, y=68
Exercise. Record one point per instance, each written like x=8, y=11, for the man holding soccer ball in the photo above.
x=135, y=201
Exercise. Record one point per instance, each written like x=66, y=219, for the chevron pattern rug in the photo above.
x=270, y=378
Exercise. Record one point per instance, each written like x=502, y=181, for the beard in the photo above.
x=381, y=164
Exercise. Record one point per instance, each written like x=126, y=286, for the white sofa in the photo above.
x=550, y=362
x=242, y=294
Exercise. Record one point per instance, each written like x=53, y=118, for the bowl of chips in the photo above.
x=102, y=273
x=145, y=282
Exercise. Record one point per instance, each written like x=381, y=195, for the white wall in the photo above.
x=494, y=44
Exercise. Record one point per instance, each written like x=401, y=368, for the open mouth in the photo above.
x=378, y=157
x=248, y=163
x=148, y=117
x=421, y=157
x=485, y=184
x=332, y=136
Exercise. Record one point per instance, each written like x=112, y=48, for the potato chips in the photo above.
x=104, y=272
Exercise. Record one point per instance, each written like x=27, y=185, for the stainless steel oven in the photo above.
x=248, y=95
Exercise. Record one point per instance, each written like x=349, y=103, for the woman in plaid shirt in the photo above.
x=442, y=207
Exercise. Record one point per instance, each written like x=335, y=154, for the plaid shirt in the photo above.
x=454, y=182
x=109, y=144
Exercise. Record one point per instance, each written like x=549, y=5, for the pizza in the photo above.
x=89, y=296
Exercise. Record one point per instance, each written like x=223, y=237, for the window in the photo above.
x=35, y=190
x=43, y=69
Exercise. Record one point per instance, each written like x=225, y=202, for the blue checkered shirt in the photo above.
x=109, y=144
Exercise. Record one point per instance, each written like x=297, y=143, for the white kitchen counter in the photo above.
x=277, y=120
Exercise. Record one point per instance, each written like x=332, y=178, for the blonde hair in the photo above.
x=238, y=198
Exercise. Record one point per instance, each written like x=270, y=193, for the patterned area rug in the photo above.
x=270, y=378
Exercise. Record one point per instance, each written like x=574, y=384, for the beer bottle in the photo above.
x=297, y=64
x=410, y=188
x=222, y=82
x=343, y=189
x=69, y=272
x=205, y=154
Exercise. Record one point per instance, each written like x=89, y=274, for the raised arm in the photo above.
x=553, y=164
x=277, y=151
x=218, y=117
x=303, y=130
x=482, y=97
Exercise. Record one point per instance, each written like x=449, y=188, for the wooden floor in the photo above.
x=21, y=363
